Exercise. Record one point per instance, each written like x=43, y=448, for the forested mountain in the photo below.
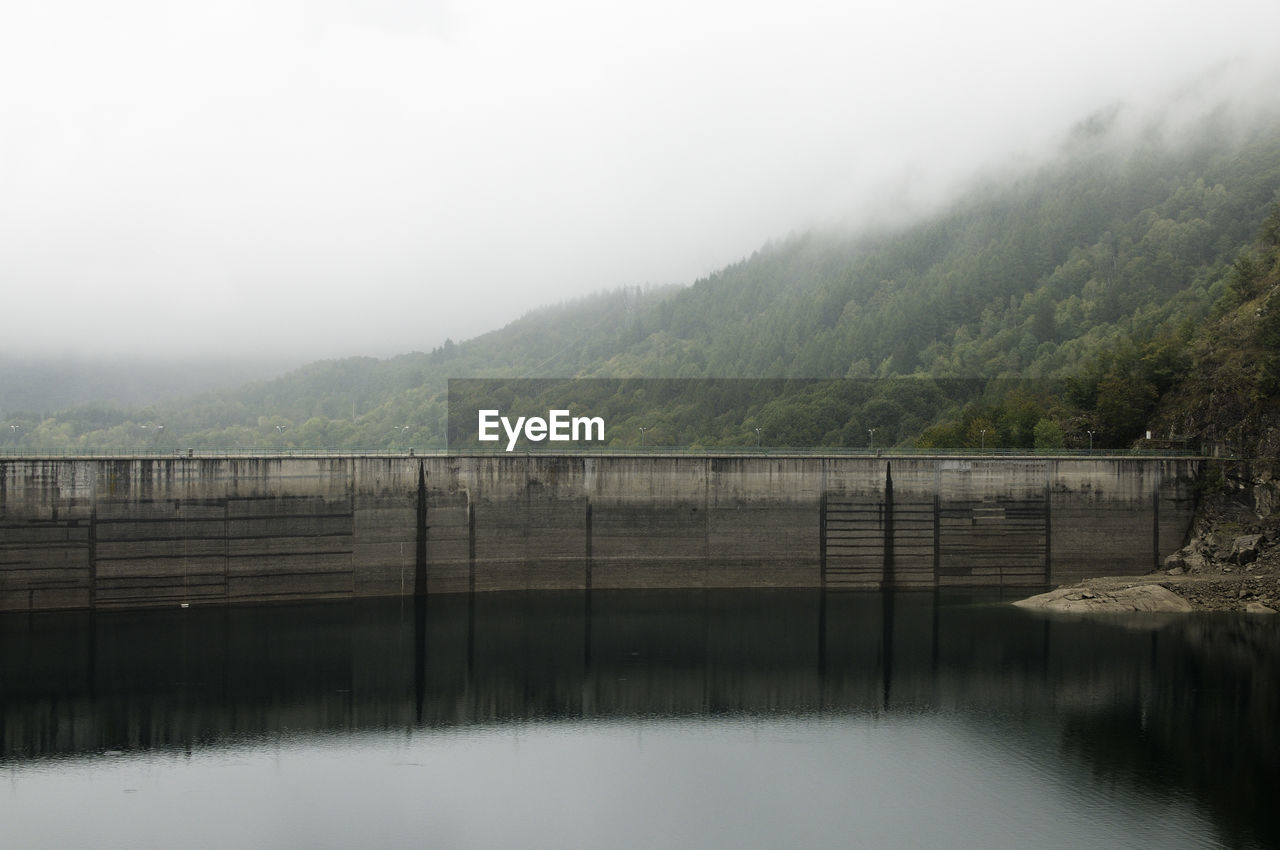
x=1227, y=392
x=1071, y=299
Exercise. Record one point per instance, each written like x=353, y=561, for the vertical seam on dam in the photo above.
x=888, y=571
x=226, y=549
x=937, y=532
x=526, y=524
x=1048, y=531
x=706, y=515
x=93, y=554
x=822, y=540
x=471, y=545
x=822, y=525
x=1155, y=524
x=420, y=541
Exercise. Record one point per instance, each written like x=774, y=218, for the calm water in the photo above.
x=694, y=719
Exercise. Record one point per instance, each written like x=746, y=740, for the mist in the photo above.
x=295, y=181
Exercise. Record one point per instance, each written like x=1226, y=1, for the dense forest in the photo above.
x=1076, y=304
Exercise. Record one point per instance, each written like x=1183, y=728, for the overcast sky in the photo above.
x=333, y=177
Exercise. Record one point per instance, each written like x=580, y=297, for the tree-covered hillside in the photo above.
x=1068, y=300
x=1227, y=393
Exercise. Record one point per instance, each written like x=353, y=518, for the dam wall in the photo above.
x=127, y=532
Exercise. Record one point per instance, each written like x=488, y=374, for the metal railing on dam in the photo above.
x=608, y=451
x=96, y=532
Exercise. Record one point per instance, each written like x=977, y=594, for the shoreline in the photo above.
x=1252, y=588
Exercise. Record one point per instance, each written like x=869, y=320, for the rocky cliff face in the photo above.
x=1237, y=520
x=1236, y=532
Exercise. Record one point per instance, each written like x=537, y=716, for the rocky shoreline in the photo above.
x=1214, y=572
x=1231, y=563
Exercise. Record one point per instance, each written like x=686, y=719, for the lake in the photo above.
x=639, y=719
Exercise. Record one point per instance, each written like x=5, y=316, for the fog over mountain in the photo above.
x=333, y=178
x=48, y=383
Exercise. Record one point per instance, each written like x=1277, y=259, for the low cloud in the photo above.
x=306, y=180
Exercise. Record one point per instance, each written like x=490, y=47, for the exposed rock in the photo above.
x=1188, y=559
x=1266, y=497
x=1176, y=571
x=1142, y=597
x=1258, y=608
x=1244, y=549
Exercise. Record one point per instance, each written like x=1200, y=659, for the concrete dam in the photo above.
x=118, y=532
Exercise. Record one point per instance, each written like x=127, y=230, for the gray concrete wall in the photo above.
x=99, y=533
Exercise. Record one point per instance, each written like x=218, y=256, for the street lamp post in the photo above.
x=758, y=432
x=983, y=443
x=155, y=442
x=1090, y=442
x=403, y=431
x=643, y=428
x=872, y=432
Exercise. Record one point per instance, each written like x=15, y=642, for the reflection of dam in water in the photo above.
x=102, y=533
x=77, y=682
x=1189, y=702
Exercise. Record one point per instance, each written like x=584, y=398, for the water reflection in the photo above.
x=1162, y=707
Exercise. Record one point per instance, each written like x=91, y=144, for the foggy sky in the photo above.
x=334, y=177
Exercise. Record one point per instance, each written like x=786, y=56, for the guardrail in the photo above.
x=276, y=451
